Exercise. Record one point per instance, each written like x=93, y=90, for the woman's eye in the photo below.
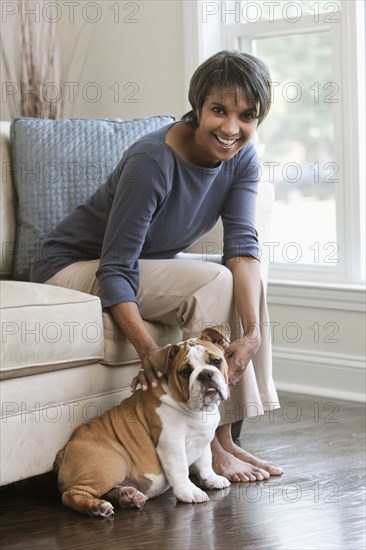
x=218, y=110
x=249, y=116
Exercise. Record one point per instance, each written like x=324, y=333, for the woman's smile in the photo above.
x=225, y=142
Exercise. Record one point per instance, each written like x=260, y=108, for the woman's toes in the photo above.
x=235, y=478
x=274, y=470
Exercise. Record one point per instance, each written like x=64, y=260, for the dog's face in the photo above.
x=196, y=370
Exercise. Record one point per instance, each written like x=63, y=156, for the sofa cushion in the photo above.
x=45, y=327
x=58, y=164
x=119, y=351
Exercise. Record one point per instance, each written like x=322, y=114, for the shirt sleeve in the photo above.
x=139, y=190
x=238, y=214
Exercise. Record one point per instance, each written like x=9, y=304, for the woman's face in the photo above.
x=226, y=123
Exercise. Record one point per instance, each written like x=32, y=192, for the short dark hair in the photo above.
x=234, y=69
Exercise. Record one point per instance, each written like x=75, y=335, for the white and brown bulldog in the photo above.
x=139, y=448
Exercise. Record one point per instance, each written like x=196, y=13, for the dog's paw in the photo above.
x=130, y=496
x=127, y=497
x=100, y=508
x=191, y=494
x=216, y=482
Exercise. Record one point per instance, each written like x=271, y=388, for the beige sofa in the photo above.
x=63, y=361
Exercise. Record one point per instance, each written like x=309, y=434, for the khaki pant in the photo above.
x=194, y=294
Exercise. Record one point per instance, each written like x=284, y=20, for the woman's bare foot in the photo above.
x=234, y=469
x=225, y=441
x=264, y=464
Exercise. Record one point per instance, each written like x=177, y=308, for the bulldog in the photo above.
x=148, y=442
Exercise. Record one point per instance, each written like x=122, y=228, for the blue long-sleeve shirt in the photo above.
x=154, y=205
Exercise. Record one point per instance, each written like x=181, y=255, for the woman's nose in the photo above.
x=230, y=127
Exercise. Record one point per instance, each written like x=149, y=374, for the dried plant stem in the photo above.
x=32, y=68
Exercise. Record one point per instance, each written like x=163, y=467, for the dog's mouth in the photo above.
x=212, y=391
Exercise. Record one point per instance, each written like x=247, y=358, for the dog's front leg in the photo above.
x=172, y=455
x=203, y=468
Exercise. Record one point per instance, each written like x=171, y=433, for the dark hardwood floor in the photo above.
x=317, y=504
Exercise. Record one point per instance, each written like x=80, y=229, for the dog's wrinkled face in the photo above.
x=196, y=370
x=208, y=380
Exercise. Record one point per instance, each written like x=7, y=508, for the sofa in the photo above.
x=63, y=359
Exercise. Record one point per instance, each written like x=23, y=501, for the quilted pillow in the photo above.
x=58, y=164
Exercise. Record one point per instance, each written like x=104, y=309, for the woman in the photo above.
x=176, y=182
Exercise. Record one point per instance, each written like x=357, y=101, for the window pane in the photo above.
x=296, y=147
x=288, y=11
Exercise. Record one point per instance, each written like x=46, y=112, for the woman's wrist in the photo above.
x=252, y=333
x=144, y=349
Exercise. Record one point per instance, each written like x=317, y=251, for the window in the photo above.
x=312, y=144
x=296, y=145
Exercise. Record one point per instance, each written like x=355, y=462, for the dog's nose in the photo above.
x=205, y=376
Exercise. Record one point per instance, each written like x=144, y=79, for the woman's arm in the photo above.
x=247, y=288
x=139, y=189
x=128, y=317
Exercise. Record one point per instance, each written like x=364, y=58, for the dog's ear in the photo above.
x=219, y=335
x=162, y=357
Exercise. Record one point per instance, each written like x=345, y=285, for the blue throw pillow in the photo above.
x=58, y=164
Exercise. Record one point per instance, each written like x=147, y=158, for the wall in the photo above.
x=120, y=59
x=318, y=349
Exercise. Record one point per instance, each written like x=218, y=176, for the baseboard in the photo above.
x=341, y=297
x=323, y=374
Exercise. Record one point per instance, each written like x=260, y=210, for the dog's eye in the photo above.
x=216, y=362
x=185, y=373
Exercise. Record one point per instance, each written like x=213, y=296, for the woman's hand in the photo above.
x=238, y=355
x=147, y=375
